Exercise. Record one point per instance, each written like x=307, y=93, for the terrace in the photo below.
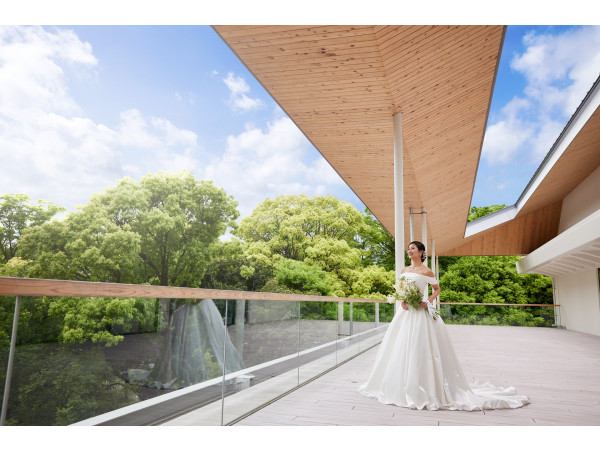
x=296, y=370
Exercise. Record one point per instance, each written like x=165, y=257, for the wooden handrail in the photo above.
x=63, y=288
x=496, y=304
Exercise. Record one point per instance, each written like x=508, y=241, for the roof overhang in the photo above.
x=342, y=85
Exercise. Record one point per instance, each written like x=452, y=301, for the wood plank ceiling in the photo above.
x=341, y=85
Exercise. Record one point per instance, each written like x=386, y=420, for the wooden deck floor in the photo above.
x=558, y=369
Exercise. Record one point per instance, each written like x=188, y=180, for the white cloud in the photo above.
x=48, y=148
x=51, y=150
x=260, y=163
x=559, y=70
x=238, y=89
x=32, y=70
x=322, y=172
x=505, y=138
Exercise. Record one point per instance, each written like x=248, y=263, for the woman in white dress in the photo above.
x=416, y=366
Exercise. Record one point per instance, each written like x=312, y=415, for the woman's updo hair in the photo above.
x=420, y=247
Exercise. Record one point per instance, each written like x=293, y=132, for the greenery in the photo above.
x=165, y=230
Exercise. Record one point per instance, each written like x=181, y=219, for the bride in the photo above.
x=416, y=366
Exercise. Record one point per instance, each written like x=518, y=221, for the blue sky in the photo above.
x=84, y=106
x=543, y=75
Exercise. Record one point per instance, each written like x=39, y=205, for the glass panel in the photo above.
x=318, y=336
x=464, y=314
x=78, y=358
x=265, y=334
x=7, y=310
x=364, y=325
x=508, y=315
x=345, y=345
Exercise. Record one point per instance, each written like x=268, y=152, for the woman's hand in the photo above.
x=423, y=305
x=404, y=305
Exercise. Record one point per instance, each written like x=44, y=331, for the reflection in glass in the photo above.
x=318, y=336
x=193, y=349
x=269, y=350
x=79, y=359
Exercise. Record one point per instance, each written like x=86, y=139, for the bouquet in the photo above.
x=407, y=290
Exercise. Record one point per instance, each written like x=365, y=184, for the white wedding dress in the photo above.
x=416, y=366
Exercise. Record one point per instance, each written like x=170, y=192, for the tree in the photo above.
x=176, y=217
x=479, y=211
x=379, y=245
x=320, y=231
x=232, y=268
x=157, y=231
x=17, y=212
x=483, y=279
x=302, y=278
x=290, y=223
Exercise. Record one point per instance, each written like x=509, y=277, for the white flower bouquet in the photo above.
x=406, y=290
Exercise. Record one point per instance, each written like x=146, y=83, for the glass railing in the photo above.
x=110, y=354
x=509, y=314
x=113, y=354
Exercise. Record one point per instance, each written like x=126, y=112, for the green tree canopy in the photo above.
x=18, y=212
x=156, y=231
x=479, y=211
x=289, y=224
x=379, y=245
x=324, y=232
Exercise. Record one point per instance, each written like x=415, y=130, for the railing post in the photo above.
x=240, y=319
x=11, y=356
x=224, y=365
x=376, y=314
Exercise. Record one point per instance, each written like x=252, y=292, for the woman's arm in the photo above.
x=436, y=292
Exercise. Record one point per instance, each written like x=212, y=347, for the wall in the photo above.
x=579, y=292
x=581, y=202
x=578, y=295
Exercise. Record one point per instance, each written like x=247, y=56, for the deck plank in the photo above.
x=557, y=369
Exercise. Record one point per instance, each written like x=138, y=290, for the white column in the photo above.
x=433, y=266
x=437, y=272
x=424, y=231
x=412, y=225
x=433, y=257
x=398, y=199
x=398, y=195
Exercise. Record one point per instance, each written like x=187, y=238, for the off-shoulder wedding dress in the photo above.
x=416, y=366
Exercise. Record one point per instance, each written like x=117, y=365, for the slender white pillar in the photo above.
x=424, y=232
x=398, y=195
x=433, y=257
x=412, y=225
x=437, y=272
x=398, y=199
x=433, y=266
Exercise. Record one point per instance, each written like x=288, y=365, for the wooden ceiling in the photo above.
x=342, y=85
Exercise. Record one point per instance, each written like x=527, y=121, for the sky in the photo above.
x=82, y=107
